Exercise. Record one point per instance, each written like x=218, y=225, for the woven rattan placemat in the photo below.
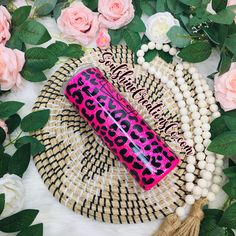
x=82, y=173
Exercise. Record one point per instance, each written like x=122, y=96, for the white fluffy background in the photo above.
x=57, y=219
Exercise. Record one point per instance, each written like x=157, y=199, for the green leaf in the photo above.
x=4, y=160
x=229, y=232
x=132, y=39
x=150, y=55
x=218, y=127
x=44, y=7
x=230, y=122
x=40, y=59
x=2, y=135
x=196, y=52
x=33, y=32
x=92, y=4
x=12, y=123
x=225, y=63
x=195, y=3
x=33, y=75
x=19, y=162
x=2, y=202
x=136, y=25
x=230, y=43
x=58, y=8
x=35, y=145
x=231, y=163
x=9, y=108
x=20, y=15
x=14, y=42
x=116, y=36
x=230, y=189
x=137, y=8
x=34, y=230
x=18, y=221
x=161, y=6
x=179, y=36
x=73, y=51
x=229, y=217
x=57, y=48
x=213, y=34
x=219, y=5
x=147, y=8
x=225, y=17
x=165, y=56
x=230, y=172
x=175, y=6
x=35, y=121
x=224, y=144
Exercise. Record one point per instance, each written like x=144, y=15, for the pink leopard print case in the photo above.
x=145, y=155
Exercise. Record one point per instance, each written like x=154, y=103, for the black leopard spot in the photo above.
x=155, y=143
x=129, y=158
x=135, y=148
x=148, y=157
x=135, y=174
x=125, y=125
x=138, y=127
x=149, y=135
x=147, y=181
x=159, y=158
x=111, y=133
x=87, y=116
x=170, y=158
x=159, y=172
x=90, y=71
x=93, y=81
x=137, y=166
x=121, y=140
x=168, y=165
x=102, y=132
x=108, y=141
x=80, y=81
x=111, y=105
x=89, y=104
x=79, y=97
x=99, y=118
x=155, y=162
x=70, y=87
x=90, y=94
x=146, y=172
x=157, y=149
x=104, y=128
x=134, y=135
x=147, y=147
x=100, y=99
x=118, y=114
x=87, y=76
x=114, y=126
x=142, y=140
x=133, y=118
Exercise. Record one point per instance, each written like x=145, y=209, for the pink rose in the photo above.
x=5, y=20
x=3, y=126
x=225, y=89
x=103, y=39
x=11, y=64
x=231, y=3
x=115, y=13
x=79, y=22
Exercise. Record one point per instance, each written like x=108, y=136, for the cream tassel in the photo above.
x=170, y=224
x=191, y=225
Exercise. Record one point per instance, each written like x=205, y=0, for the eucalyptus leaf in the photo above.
x=20, y=15
x=225, y=63
x=12, y=123
x=58, y=8
x=33, y=32
x=161, y=6
x=92, y=4
x=34, y=230
x=18, y=222
x=230, y=43
x=230, y=172
x=9, y=108
x=195, y=3
x=2, y=202
x=2, y=135
x=35, y=145
x=196, y=52
x=35, y=120
x=147, y=8
x=219, y=5
x=230, y=121
x=175, y=6
x=136, y=25
x=212, y=34
x=150, y=55
x=44, y=7
x=225, y=17
x=229, y=217
x=137, y=7
x=4, y=160
x=116, y=36
x=224, y=144
x=132, y=39
x=179, y=36
x=230, y=189
x=19, y=162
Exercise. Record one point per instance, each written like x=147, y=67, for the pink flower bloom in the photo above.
x=115, y=13
x=5, y=20
x=3, y=126
x=79, y=22
x=225, y=89
x=11, y=64
x=103, y=39
x=231, y=3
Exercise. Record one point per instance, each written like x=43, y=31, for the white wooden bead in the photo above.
x=197, y=190
x=186, y=65
x=178, y=97
x=189, y=177
x=144, y=47
x=193, y=108
x=210, y=159
x=209, y=93
x=180, y=211
x=190, y=168
x=204, y=192
x=189, y=199
x=198, y=89
x=218, y=171
x=189, y=186
x=203, y=111
x=185, y=119
x=217, y=179
x=204, y=119
x=170, y=84
x=206, y=135
x=207, y=175
x=179, y=66
x=201, y=165
x=164, y=79
x=211, y=196
x=198, y=139
x=211, y=100
x=152, y=70
x=159, y=46
x=200, y=156
x=190, y=142
x=202, y=183
x=195, y=76
x=202, y=104
x=183, y=87
x=219, y=163
x=215, y=188
x=197, y=131
x=180, y=81
x=158, y=74
x=151, y=45
x=199, y=147
x=201, y=96
x=140, y=53
x=179, y=74
x=219, y=156
x=206, y=127
x=173, y=51
x=185, y=127
x=183, y=111
x=196, y=197
x=206, y=142
x=187, y=94
x=190, y=101
x=214, y=108
x=166, y=48
x=195, y=115
x=182, y=104
x=209, y=153
x=216, y=115
x=192, y=70
x=210, y=167
x=188, y=135
x=197, y=123
x=191, y=160
x=141, y=60
x=146, y=65
x=175, y=89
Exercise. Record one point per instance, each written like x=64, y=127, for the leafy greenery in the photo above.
x=9, y=108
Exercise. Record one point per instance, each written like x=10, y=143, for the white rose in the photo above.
x=13, y=188
x=158, y=25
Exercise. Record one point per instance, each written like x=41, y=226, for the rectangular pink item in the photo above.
x=145, y=155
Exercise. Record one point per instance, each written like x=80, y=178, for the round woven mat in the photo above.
x=82, y=173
